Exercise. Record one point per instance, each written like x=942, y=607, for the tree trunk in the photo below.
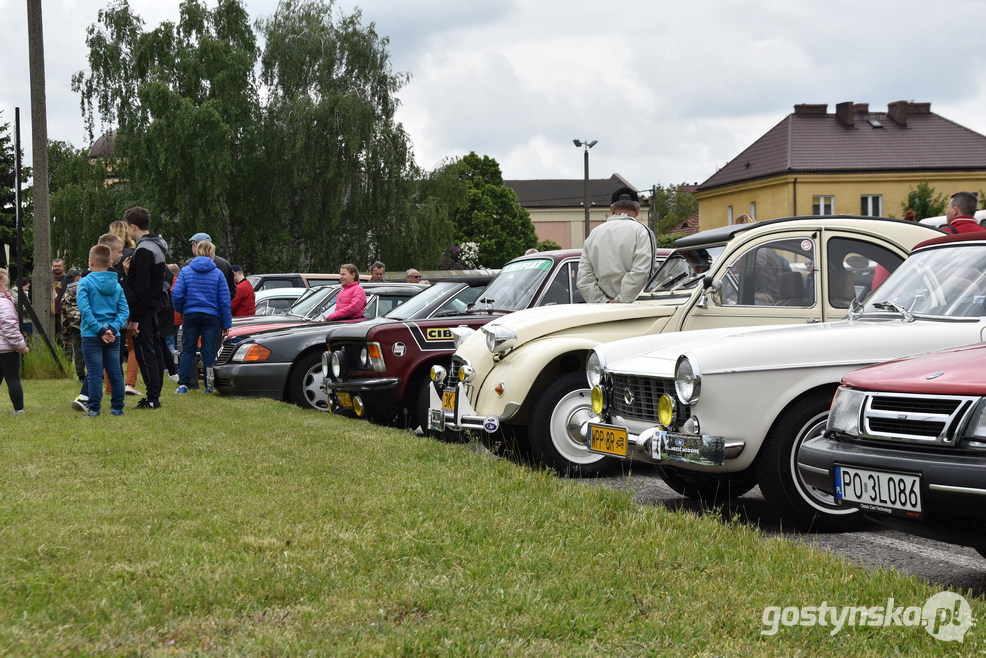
x=41, y=292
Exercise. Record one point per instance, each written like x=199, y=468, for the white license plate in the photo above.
x=878, y=491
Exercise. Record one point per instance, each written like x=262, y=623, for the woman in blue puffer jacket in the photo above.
x=201, y=295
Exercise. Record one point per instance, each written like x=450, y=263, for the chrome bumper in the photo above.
x=658, y=445
x=377, y=384
x=463, y=417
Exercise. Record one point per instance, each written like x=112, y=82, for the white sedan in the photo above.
x=723, y=410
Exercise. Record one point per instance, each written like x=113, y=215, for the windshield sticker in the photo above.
x=533, y=264
x=806, y=245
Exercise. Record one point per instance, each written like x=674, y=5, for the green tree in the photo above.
x=924, y=202
x=489, y=214
x=299, y=166
x=8, y=206
x=82, y=204
x=670, y=206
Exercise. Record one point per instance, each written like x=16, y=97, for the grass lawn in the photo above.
x=242, y=527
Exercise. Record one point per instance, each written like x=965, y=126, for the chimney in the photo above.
x=861, y=108
x=843, y=112
x=807, y=109
x=898, y=111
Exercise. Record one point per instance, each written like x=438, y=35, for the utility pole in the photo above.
x=586, y=144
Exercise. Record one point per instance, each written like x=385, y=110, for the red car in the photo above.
x=906, y=444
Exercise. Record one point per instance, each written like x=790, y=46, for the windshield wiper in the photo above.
x=888, y=305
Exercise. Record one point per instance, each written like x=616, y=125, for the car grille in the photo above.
x=908, y=418
x=226, y=353
x=636, y=397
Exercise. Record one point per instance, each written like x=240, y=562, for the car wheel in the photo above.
x=809, y=509
x=706, y=487
x=423, y=401
x=554, y=432
x=304, y=383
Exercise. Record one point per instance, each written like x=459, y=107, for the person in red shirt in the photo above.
x=961, y=212
x=245, y=302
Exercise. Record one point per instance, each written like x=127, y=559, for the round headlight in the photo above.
x=326, y=357
x=687, y=379
x=499, y=339
x=336, y=364
x=437, y=374
x=594, y=368
x=466, y=374
x=598, y=398
x=364, y=358
x=665, y=410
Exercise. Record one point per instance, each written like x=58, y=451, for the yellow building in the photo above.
x=852, y=162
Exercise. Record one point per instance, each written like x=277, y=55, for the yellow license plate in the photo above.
x=344, y=400
x=448, y=400
x=608, y=440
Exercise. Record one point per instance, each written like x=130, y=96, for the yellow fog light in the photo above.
x=665, y=410
x=358, y=406
x=466, y=374
x=438, y=374
x=598, y=398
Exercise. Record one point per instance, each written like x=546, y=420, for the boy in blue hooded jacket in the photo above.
x=104, y=311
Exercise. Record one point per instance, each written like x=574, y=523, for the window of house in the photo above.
x=729, y=215
x=823, y=205
x=871, y=205
x=753, y=209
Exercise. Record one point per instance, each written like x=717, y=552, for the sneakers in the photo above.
x=114, y=412
x=173, y=377
x=148, y=404
x=90, y=414
x=18, y=411
x=207, y=391
x=79, y=403
x=181, y=390
x=132, y=391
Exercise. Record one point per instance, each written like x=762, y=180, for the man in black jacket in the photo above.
x=146, y=276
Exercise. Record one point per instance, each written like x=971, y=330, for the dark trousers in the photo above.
x=77, y=357
x=100, y=356
x=10, y=370
x=149, y=347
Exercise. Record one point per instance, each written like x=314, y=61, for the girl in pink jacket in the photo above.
x=351, y=301
x=12, y=345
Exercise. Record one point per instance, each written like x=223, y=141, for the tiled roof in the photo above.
x=908, y=137
x=566, y=193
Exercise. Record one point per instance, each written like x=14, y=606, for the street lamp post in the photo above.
x=586, y=144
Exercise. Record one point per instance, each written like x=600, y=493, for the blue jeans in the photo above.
x=193, y=327
x=100, y=356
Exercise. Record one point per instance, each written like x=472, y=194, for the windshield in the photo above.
x=684, y=268
x=312, y=300
x=948, y=282
x=415, y=306
x=515, y=285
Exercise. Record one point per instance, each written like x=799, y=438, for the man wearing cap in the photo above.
x=221, y=263
x=245, y=302
x=618, y=256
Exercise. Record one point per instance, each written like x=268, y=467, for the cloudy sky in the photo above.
x=671, y=89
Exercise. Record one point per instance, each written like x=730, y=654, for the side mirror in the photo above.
x=711, y=288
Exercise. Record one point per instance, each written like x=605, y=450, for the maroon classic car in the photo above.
x=906, y=444
x=380, y=371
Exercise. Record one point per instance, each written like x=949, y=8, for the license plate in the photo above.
x=878, y=491
x=608, y=440
x=344, y=400
x=448, y=400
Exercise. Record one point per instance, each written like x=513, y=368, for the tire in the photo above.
x=809, y=509
x=706, y=487
x=304, y=383
x=554, y=430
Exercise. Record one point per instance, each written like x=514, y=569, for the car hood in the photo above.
x=844, y=343
x=246, y=328
x=534, y=323
x=951, y=372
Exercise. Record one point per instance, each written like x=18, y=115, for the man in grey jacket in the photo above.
x=618, y=257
